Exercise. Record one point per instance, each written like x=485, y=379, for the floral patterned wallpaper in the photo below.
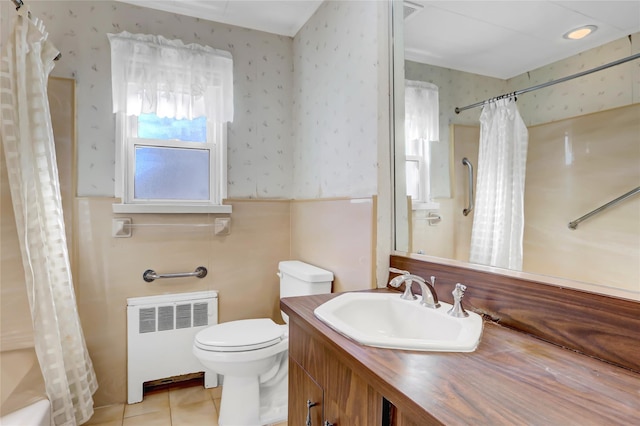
x=335, y=102
x=607, y=89
x=259, y=139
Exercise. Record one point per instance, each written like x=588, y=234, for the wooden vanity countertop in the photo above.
x=511, y=378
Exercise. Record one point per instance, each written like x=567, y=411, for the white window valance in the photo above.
x=151, y=74
x=421, y=111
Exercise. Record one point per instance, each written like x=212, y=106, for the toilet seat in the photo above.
x=240, y=336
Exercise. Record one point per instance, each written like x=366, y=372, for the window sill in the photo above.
x=168, y=208
x=431, y=205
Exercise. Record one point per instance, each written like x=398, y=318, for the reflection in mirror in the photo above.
x=583, y=136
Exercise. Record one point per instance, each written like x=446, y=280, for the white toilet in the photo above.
x=252, y=354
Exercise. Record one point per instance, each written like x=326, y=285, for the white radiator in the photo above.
x=160, y=333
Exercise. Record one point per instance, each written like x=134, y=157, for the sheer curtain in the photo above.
x=421, y=127
x=498, y=222
x=421, y=111
x=27, y=138
x=151, y=74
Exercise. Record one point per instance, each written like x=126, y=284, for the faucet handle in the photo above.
x=402, y=278
x=457, y=310
x=458, y=292
x=408, y=291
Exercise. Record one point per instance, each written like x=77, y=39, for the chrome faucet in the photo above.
x=429, y=296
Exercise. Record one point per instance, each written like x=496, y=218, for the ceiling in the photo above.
x=499, y=39
x=506, y=38
x=284, y=17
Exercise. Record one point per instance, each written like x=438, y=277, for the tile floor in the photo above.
x=194, y=405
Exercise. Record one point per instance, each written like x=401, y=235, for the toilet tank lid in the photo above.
x=304, y=271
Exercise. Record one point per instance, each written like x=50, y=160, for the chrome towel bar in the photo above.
x=573, y=225
x=150, y=275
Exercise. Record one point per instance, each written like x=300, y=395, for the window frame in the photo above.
x=425, y=201
x=422, y=158
x=421, y=178
x=126, y=143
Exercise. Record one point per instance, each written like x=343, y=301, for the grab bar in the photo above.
x=150, y=275
x=573, y=225
x=467, y=163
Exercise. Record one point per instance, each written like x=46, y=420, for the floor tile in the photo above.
x=189, y=395
x=150, y=404
x=110, y=423
x=107, y=414
x=195, y=406
x=201, y=413
x=157, y=418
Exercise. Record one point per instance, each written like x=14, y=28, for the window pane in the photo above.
x=414, y=147
x=150, y=126
x=171, y=173
x=413, y=179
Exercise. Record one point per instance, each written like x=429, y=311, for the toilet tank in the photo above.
x=301, y=279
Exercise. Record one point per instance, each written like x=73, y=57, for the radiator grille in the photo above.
x=147, y=320
x=183, y=316
x=165, y=318
x=172, y=317
x=200, y=314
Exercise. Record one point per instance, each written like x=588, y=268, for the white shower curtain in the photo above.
x=27, y=137
x=498, y=221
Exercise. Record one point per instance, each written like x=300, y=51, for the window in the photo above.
x=421, y=128
x=172, y=102
x=172, y=161
x=417, y=168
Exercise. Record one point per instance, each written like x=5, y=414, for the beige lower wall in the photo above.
x=573, y=167
x=337, y=235
x=242, y=268
x=334, y=234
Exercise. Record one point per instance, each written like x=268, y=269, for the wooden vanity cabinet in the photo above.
x=316, y=373
x=511, y=378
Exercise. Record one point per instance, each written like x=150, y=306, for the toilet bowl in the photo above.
x=252, y=354
x=247, y=353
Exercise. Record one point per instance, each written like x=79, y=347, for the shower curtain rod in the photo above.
x=550, y=83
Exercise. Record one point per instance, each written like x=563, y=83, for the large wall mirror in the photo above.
x=583, y=134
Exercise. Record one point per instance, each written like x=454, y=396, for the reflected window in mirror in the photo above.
x=421, y=129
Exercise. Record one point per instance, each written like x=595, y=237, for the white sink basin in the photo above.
x=384, y=320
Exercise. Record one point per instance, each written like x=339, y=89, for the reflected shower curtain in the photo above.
x=27, y=137
x=498, y=221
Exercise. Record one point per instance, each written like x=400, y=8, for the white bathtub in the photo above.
x=23, y=398
x=36, y=414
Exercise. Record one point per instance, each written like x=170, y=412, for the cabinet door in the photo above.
x=306, y=398
x=349, y=400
